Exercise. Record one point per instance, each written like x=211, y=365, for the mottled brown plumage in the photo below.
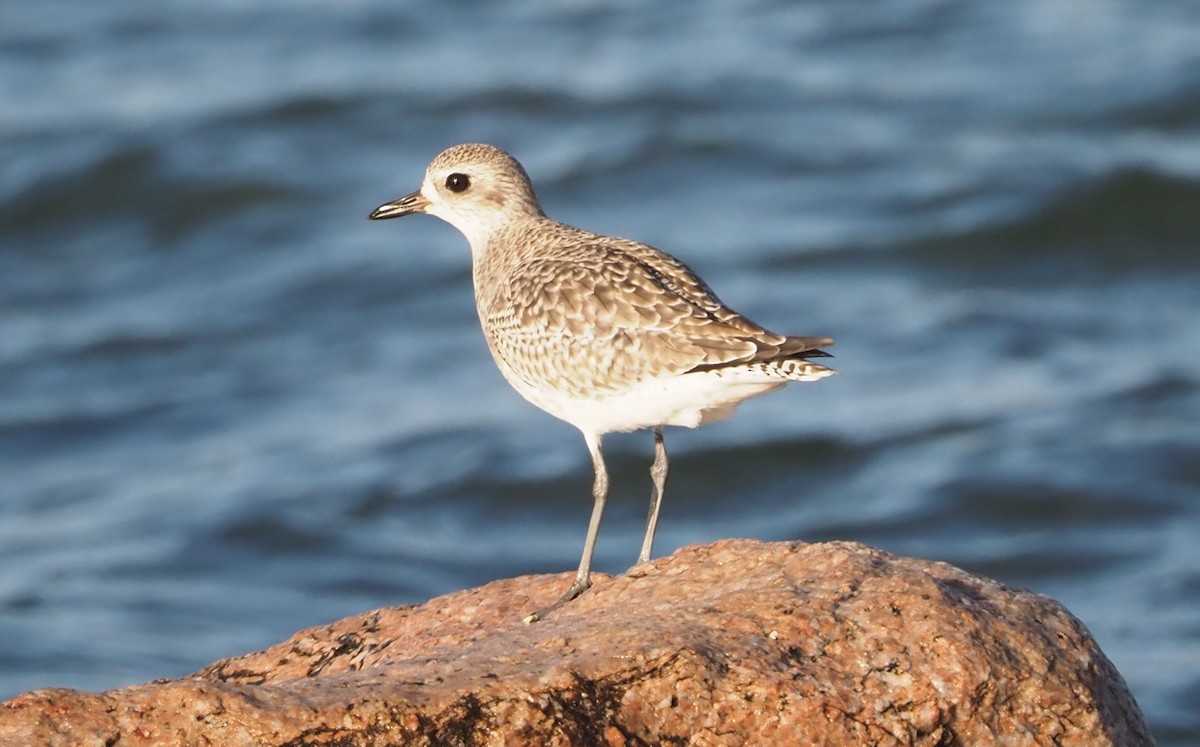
x=595, y=315
x=604, y=333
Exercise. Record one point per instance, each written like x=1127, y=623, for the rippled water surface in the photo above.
x=231, y=407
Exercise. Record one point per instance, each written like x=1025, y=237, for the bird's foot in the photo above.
x=578, y=587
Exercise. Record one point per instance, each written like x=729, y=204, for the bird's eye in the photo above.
x=458, y=182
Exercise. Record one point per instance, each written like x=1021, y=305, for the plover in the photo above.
x=605, y=333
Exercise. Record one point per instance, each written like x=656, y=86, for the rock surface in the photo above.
x=733, y=643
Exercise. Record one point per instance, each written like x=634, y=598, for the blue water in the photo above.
x=231, y=407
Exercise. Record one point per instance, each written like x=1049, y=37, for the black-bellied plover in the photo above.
x=604, y=333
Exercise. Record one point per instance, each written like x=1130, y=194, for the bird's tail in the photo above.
x=794, y=358
x=805, y=347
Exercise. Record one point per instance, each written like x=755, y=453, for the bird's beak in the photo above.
x=406, y=205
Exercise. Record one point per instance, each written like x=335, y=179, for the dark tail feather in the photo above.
x=803, y=348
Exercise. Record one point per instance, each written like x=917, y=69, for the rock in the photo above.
x=733, y=643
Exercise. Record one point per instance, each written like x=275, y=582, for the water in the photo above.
x=231, y=407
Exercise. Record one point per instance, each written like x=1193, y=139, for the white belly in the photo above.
x=690, y=400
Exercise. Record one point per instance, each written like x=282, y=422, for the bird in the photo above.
x=604, y=333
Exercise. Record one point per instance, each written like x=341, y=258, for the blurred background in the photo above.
x=232, y=408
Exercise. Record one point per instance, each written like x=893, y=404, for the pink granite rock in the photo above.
x=733, y=643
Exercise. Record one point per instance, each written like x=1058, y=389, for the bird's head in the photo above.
x=476, y=188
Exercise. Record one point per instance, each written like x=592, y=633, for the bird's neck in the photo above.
x=509, y=243
x=496, y=255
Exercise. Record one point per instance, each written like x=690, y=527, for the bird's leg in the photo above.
x=658, y=473
x=599, y=495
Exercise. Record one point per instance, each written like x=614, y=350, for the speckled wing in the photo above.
x=606, y=316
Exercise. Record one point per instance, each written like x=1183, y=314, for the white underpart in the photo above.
x=690, y=400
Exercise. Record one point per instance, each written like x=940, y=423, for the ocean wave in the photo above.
x=1131, y=219
x=132, y=182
